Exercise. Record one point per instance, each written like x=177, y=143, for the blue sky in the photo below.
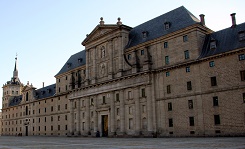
x=45, y=33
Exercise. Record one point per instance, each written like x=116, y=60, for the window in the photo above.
x=185, y=38
x=51, y=127
x=243, y=97
x=166, y=25
x=65, y=106
x=66, y=87
x=91, y=101
x=144, y=34
x=58, y=127
x=168, y=89
x=166, y=60
x=169, y=106
x=211, y=64
x=52, y=118
x=27, y=96
x=170, y=122
x=129, y=56
x=187, y=69
x=52, y=108
x=103, y=100
x=130, y=109
x=190, y=104
x=130, y=123
x=213, y=45
x=189, y=86
x=129, y=95
x=187, y=56
x=142, y=92
x=58, y=118
x=215, y=101
x=191, y=121
x=241, y=35
x=242, y=73
x=216, y=119
x=143, y=108
x=213, y=81
x=142, y=52
x=117, y=97
x=118, y=111
x=241, y=57
x=167, y=74
x=165, y=45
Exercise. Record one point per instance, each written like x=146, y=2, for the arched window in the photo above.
x=27, y=96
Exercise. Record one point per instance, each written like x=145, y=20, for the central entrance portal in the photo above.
x=26, y=131
x=104, y=124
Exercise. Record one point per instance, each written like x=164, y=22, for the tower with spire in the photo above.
x=12, y=88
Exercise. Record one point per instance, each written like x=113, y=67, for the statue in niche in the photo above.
x=102, y=52
x=102, y=69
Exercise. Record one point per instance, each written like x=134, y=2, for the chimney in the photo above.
x=233, y=18
x=43, y=84
x=202, y=19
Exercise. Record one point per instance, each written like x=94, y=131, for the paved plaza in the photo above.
x=7, y=142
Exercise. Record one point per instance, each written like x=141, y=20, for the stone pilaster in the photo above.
x=149, y=109
x=110, y=49
x=120, y=52
x=95, y=115
x=122, y=112
x=112, y=114
x=94, y=80
x=137, y=110
x=71, y=119
x=87, y=67
x=78, y=126
x=87, y=114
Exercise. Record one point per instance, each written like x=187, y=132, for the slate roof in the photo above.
x=178, y=18
x=74, y=61
x=45, y=92
x=15, y=101
x=226, y=40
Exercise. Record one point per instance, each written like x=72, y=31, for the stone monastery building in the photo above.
x=170, y=76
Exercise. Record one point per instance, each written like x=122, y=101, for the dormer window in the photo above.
x=43, y=92
x=212, y=44
x=49, y=90
x=68, y=65
x=166, y=25
x=241, y=35
x=80, y=60
x=144, y=34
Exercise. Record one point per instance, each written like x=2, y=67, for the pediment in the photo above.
x=98, y=32
x=27, y=88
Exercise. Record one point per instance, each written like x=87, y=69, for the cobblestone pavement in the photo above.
x=7, y=142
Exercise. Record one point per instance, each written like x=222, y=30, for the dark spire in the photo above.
x=15, y=79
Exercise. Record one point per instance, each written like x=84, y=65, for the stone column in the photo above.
x=71, y=120
x=87, y=114
x=122, y=112
x=112, y=114
x=149, y=109
x=137, y=110
x=78, y=132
